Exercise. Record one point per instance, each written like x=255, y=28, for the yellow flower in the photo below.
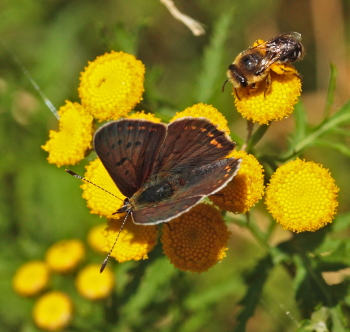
x=134, y=242
x=245, y=189
x=207, y=111
x=275, y=103
x=53, y=311
x=94, y=285
x=145, y=116
x=99, y=201
x=301, y=196
x=64, y=256
x=196, y=240
x=69, y=145
x=31, y=278
x=96, y=238
x=112, y=85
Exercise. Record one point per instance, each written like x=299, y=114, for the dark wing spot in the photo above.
x=120, y=142
x=128, y=145
x=108, y=154
x=126, y=172
x=112, y=146
x=121, y=162
x=138, y=143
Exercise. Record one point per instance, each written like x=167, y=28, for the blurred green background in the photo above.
x=41, y=204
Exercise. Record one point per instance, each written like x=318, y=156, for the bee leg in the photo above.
x=236, y=93
x=267, y=85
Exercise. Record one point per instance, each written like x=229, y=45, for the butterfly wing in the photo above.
x=128, y=149
x=208, y=179
x=192, y=186
x=191, y=142
x=164, y=212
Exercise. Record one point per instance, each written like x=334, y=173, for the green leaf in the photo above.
x=339, y=254
x=339, y=322
x=341, y=222
x=335, y=146
x=255, y=281
x=212, y=295
x=309, y=281
x=195, y=322
x=331, y=90
x=213, y=56
x=154, y=286
x=339, y=118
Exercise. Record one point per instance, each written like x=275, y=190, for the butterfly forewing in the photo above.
x=191, y=142
x=128, y=149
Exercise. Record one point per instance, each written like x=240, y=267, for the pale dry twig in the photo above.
x=196, y=27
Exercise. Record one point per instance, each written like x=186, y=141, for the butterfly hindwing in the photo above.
x=191, y=142
x=128, y=149
x=189, y=188
x=164, y=211
x=208, y=179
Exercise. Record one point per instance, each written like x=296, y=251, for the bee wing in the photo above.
x=265, y=64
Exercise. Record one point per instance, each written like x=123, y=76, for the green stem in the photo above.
x=257, y=136
x=328, y=125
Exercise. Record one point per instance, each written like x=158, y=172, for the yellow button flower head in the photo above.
x=96, y=239
x=144, y=116
x=64, y=256
x=112, y=85
x=268, y=102
x=276, y=103
x=301, y=196
x=134, y=242
x=206, y=111
x=68, y=145
x=94, y=285
x=31, y=278
x=245, y=189
x=53, y=311
x=99, y=201
x=196, y=240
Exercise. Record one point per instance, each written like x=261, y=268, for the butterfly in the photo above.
x=164, y=170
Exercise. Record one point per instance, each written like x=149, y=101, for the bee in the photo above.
x=254, y=64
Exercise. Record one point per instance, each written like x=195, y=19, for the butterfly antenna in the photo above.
x=116, y=239
x=81, y=178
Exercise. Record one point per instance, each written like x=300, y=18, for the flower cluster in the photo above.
x=53, y=309
x=271, y=99
x=110, y=87
x=301, y=196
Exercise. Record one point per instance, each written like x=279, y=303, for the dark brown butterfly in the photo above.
x=164, y=170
